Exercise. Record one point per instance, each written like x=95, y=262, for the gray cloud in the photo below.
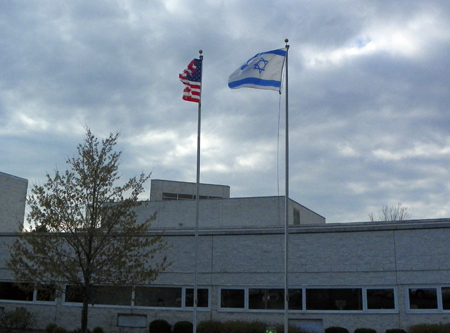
x=368, y=91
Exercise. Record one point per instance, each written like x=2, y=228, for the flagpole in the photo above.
x=197, y=198
x=286, y=199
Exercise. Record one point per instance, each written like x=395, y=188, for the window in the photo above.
x=46, y=293
x=12, y=291
x=202, y=297
x=296, y=217
x=73, y=295
x=157, y=297
x=232, y=298
x=112, y=295
x=266, y=299
x=423, y=298
x=380, y=299
x=295, y=299
x=334, y=299
x=104, y=295
x=445, y=298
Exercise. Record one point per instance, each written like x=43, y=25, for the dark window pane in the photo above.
x=100, y=295
x=46, y=293
x=333, y=299
x=422, y=298
x=232, y=298
x=112, y=295
x=378, y=299
x=202, y=296
x=266, y=299
x=158, y=297
x=295, y=299
x=73, y=295
x=11, y=291
x=446, y=298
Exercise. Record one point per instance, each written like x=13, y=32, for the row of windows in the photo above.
x=302, y=299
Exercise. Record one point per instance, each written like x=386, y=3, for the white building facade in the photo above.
x=375, y=275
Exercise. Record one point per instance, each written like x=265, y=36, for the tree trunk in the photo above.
x=84, y=315
x=85, y=309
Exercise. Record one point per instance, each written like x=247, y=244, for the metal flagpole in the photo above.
x=286, y=203
x=197, y=198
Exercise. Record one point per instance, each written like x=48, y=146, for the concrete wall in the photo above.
x=397, y=255
x=225, y=213
x=158, y=187
x=13, y=191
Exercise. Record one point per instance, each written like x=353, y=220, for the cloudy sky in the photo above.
x=369, y=85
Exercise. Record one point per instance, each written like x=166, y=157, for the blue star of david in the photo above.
x=261, y=65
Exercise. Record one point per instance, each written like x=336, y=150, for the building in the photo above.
x=378, y=275
x=13, y=191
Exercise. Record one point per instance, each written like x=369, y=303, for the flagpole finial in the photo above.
x=200, y=51
x=286, y=40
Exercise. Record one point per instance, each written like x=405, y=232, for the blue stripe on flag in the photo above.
x=255, y=81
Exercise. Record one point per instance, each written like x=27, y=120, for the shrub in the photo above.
x=241, y=326
x=211, y=326
x=291, y=329
x=255, y=327
x=20, y=318
x=50, y=327
x=182, y=327
x=336, y=329
x=395, y=330
x=59, y=329
x=429, y=328
x=98, y=329
x=365, y=330
x=159, y=326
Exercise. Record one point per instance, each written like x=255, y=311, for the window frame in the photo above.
x=439, y=307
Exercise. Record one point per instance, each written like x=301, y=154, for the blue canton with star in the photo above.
x=261, y=65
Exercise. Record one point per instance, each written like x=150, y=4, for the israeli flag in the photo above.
x=263, y=71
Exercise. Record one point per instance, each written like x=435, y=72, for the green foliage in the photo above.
x=59, y=329
x=365, y=330
x=430, y=328
x=336, y=329
x=98, y=329
x=78, y=330
x=232, y=326
x=50, y=327
x=240, y=326
x=182, y=327
x=395, y=330
x=159, y=326
x=20, y=318
x=291, y=329
x=211, y=326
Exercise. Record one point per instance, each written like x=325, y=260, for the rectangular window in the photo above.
x=380, y=299
x=296, y=217
x=446, y=298
x=266, y=299
x=295, y=299
x=232, y=298
x=202, y=296
x=422, y=298
x=100, y=295
x=73, y=295
x=46, y=293
x=334, y=299
x=112, y=295
x=157, y=297
x=12, y=291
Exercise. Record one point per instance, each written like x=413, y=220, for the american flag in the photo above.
x=192, y=79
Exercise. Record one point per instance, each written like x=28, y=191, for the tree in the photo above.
x=84, y=231
x=394, y=213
